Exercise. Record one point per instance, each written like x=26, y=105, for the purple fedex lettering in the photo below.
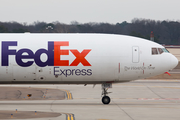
x=49, y=53
x=30, y=55
x=6, y=52
x=20, y=56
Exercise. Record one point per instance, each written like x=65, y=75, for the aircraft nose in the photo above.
x=174, y=61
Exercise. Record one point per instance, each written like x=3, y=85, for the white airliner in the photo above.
x=80, y=59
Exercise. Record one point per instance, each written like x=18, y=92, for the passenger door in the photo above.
x=135, y=54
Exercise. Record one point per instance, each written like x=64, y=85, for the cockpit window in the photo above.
x=154, y=51
x=160, y=50
x=165, y=50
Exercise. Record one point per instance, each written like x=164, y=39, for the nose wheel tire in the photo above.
x=106, y=100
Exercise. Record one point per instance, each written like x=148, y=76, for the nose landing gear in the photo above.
x=106, y=99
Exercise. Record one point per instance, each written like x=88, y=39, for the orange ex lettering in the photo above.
x=58, y=52
x=80, y=57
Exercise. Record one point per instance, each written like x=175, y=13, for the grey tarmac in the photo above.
x=136, y=100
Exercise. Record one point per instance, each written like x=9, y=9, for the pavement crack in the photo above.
x=153, y=91
x=20, y=93
x=52, y=105
x=123, y=111
x=156, y=93
x=41, y=92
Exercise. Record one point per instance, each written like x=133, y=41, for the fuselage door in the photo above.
x=135, y=54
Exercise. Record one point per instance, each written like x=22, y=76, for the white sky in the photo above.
x=83, y=11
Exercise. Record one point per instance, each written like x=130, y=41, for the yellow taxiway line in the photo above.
x=68, y=94
x=69, y=116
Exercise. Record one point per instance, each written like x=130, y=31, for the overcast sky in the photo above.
x=83, y=11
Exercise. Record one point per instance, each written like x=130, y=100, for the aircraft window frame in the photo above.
x=154, y=51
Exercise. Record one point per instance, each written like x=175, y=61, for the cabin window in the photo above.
x=154, y=51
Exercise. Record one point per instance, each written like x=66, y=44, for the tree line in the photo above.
x=165, y=32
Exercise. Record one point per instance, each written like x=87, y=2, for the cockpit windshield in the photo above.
x=165, y=50
x=156, y=51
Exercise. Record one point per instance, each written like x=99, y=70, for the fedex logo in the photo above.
x=54, y=53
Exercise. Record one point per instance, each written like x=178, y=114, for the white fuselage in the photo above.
x=79, y=58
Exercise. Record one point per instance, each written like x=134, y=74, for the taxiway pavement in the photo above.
x=137, y=100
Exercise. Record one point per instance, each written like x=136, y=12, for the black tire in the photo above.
x=106, y=100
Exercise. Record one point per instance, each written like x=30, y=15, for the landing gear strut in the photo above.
x=106, y=99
